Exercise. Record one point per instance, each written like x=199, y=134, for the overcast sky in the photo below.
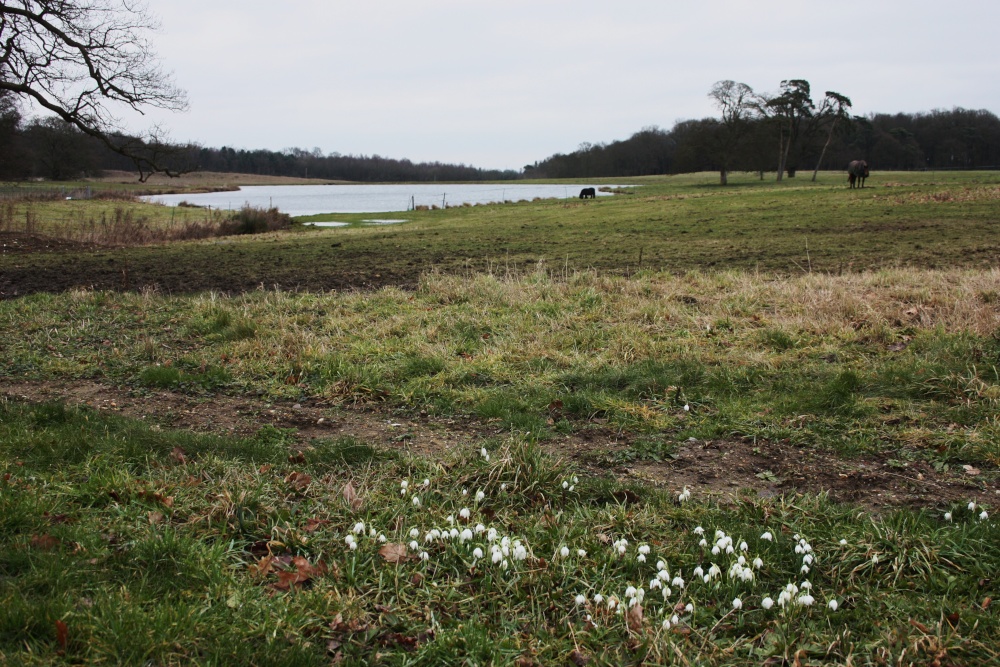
x=503, y=84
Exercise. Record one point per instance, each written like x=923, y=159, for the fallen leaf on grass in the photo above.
x=634, y=618
x=304, y=571
x=393, y=553
x=44, y=542
x=970, y=470
x=312, y=525
x=179, y=455
x=986, y=603
x=156, y=518
x=62, y=635
x=578, y=657
x=920, y=626
x=352, y=498
x=298, y=480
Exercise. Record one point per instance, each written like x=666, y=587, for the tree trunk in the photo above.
x=829, y=138
x=723, y=177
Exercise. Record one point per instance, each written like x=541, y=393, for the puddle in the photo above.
x=387, y=221
x=327, y=224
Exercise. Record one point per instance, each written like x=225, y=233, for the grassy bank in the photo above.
x=898, y=363
x=129, y=545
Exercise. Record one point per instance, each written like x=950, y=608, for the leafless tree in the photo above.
x=84, y=60
x=737, y=102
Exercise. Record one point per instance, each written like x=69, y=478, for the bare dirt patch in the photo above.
x=718, y=468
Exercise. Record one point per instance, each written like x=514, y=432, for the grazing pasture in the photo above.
x=689, y=425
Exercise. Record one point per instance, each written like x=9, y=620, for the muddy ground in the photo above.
x=719, y=468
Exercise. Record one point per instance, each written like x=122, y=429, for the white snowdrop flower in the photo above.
x=598, y=598
x=359, y=528
x=698, y=572
x=719, y=534
x=947, y=516
x=699, y=530
x=436, y=533
x=746, y=575
x=402, y=492
x=477, y=553
x=565, y=485
x=667, y=592
x=798, y=549
x=505, y=541
x=496, y=557
x=716, y=550
x=767, y=536
x=806, y=547
x=714, y=571
x=805, y=600
x=744, y=546
x=737, y=603
x=703, y=543
x=843, y=542
x=465, y=513
x=622, y=549
x=503, y=487
x=416, y=501
x=832, y=604
x=804, y=569
x=630, y=592
x=480, y=529
x=758, y=563
x=792, y=588
x=572, y=487
x=796, y=537
x=581, y=600
x=564, y=552
x=427, y=482
x=414, y=532
x=450, y=519
x=675, y=619
x=784, y=597
x=581, y=553
x=654, y=584
x=491, y=535
x=661, y=565
x=706, y=578
x=678, y=582
x=644, y=549
x=807, y=559
x=466, y=535
x=576, y=480
x=350, y=541
x=666, y=624
x=984, y=515
x=505, y=564
x=641, y=558
x=741, y=560
x=689, y=607
x=684, y=495
x=632, y=602
x=480, y=495
x=767, y=603
x=640, y=595
x=404, y=484
x=425, y=556
x=382, y=538
x=372, y=533
x=520, y=553
x=687, y=408
x=663, y=575
x=485, y=454
x=612, y=603
x=972, y=506
x=730, y=549
x=414, y=545
x=453, y=533
x=874, y=559
x=465, y=492
x=806, y=586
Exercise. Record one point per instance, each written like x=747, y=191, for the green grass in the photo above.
x=164, y=547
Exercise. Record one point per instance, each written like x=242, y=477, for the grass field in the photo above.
x=817, y=366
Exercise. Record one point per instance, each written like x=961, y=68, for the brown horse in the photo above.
x=857, y=172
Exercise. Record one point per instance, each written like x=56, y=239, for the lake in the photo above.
x=296, y=200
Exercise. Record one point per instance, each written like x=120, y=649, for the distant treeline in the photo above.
x=754, y=133
x=956, y=139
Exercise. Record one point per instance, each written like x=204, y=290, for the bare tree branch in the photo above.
x=81, y=58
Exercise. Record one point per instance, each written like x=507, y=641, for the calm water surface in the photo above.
x=298, y=200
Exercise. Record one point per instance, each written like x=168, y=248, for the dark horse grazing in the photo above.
x=588, y=193
x=857, y=171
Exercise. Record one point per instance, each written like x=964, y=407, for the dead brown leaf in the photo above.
x=44, y=542
x=313, y=524
x=578, y=657
x=970, y=470
x=986, y=603
x=352, y=498
x=393, y=553
x=298, y=480
x=634, y=618
x=156, y=518
x=179, y=455
x=62, y=635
